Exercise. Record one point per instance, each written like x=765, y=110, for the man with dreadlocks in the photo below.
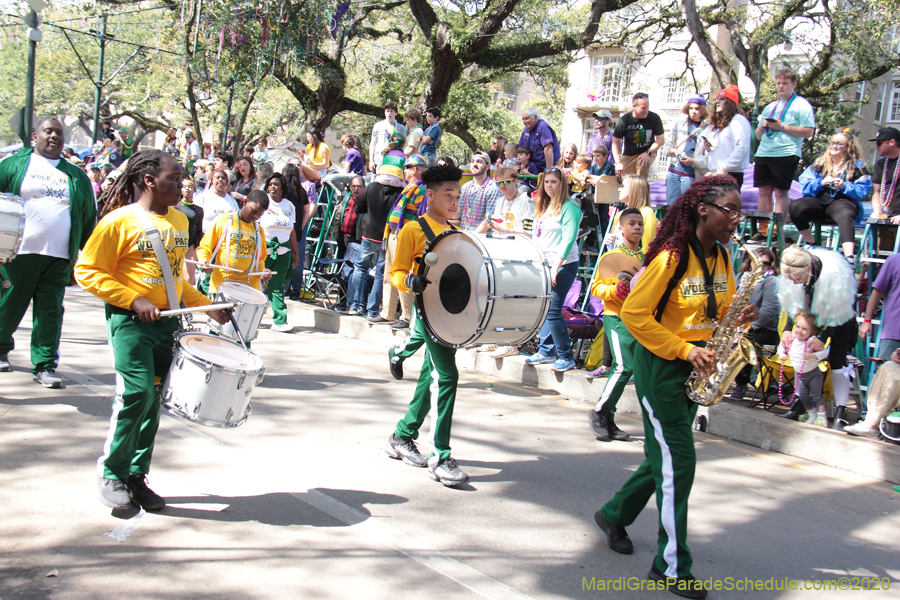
x=60, y=212
x=119, y=266
x=673, y=309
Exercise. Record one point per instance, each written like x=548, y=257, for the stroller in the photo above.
x=583, y=325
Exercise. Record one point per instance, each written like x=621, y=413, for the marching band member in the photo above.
x=443, y=191
x=60, y=212
x=119, y=266
x=236, y=240
x=673, y=309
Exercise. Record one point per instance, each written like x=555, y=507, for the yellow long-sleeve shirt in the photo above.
x=605, y=289
x=118, y=264
x=410, y=245
x=684, y=319
x=650, y=225
x=243, y=246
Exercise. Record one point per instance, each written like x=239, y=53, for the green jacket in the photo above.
x=82, y=207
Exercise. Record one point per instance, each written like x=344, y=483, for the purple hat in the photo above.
x=697, y=100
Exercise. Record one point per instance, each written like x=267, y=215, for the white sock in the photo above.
x=812, y=416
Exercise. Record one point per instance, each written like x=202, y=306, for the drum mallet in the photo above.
x=192, y=309
x=200, y=264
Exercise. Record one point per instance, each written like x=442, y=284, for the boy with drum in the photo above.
x=243, y=241
x=119, y=266
x=442, y=192
x=613, y=293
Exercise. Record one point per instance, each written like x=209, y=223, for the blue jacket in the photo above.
x=856, y=187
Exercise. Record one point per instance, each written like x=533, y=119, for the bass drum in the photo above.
x=12, y=226
x=485, y=289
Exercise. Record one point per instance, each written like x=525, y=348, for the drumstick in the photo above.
x=196, y=262
x=258, y=273
x=181, y=311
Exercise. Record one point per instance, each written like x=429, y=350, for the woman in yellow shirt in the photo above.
x=318, y=154
x=119, y=266
x=671, y=325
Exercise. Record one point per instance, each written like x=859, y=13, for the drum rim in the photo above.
x=199, y=361
x=174, y=410
x=261, y=296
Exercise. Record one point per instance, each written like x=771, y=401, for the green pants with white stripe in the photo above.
x=281, y=264
x=40, y=281
x=142, y=352
x=438, y=377
x=414, y=339
x=670, y=458
x=621, y=344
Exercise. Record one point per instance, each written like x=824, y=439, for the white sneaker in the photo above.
x=505, y=351
x=862, y=430
x=489, y=348
x=48, y=379
x=819, y=422
x=113, y=493
x=4, y=363
x=284, y=328
x=446, y=471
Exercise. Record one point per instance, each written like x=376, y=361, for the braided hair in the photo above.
x=677, y=228
x=122, y=191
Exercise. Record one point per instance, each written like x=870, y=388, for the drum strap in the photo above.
x=259, y=244
x=161, y=256
x=680, y=270
x=429, y=236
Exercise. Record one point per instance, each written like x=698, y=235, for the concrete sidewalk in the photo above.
x=758, y=428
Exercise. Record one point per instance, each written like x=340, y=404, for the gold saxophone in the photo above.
x=732, y=347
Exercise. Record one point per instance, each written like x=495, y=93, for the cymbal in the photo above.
x=615, y=265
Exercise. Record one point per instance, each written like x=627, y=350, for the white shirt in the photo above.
x=380, y=134
x=278, y=222
x=48, y=219
x=730, y=147
x=513, y=212
x=214, y=205
x=193, y=150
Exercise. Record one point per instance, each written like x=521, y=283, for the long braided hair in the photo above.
x=677, y=228
x=122, y=191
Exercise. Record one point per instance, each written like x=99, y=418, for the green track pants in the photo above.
x=621, y=344
x=670, y=459
x=41, y=281
x=142, y=352
x=275, y=286
x=439, y=377
x=415, y=339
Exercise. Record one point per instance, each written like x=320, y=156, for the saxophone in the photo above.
x=732, y=347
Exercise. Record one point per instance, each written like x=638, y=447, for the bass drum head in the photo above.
x=454, y=303
x=220, y=352
x=241, y=292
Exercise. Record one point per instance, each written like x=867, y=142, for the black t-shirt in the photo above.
x=878, y=178
x=243, y=187
x=376, y=201
x=194, y=216
x=638, y=134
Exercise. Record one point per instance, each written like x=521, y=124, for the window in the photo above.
x=589, y=127
x=894, y=104
x=676, y=91
x=879, y=104
x=859, y=95
x=610, y=79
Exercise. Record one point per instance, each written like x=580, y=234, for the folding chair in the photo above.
x=583, y=325
x=768, y=367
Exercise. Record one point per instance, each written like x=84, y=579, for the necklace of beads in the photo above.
x=886, y=200
x=638, y=254
x=797, y=373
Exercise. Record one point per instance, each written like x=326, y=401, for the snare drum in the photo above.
x=12, y=225
x=485, y=289
x=210, y=380
x=249, y=307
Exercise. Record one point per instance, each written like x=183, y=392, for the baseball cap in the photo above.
x=189, y=132
x=887, y=133
x=482, y=156
x=415, y=160
x=731, y=92
x=603, y=114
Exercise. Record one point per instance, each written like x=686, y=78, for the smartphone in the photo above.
x=876, y=360
x=769, y=119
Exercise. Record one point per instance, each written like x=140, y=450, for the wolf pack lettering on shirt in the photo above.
x=693, y=290
x=48, y=220
x=176, y=243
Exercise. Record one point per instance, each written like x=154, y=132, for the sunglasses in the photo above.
x=505, y=182
x=733, y=213
x=837, y=144
x=641, y=96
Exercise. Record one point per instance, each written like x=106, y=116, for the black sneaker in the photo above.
x=599, y=425
x=405, y=449
x=395, y=365
x=686, y=587
x=142, y=495
x=400, y=325
x=4, y=363
x=614, y=432
x=616, y=536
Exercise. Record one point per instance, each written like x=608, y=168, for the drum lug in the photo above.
x=259, y=380
x=249, y=408
x=241, y=381
x=196, y=411
x=229, y=416
x=179, y=362
x=208, y=374
x=167, y=395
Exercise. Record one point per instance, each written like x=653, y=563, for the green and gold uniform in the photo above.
x=118, y=266
x=661, y=370
x=245, y=250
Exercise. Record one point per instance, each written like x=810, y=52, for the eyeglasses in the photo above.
x=733, y=214
x=838, y=144
x=505, y=182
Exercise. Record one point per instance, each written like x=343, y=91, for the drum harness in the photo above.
x=235, y=216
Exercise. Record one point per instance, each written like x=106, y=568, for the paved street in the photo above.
x=302, y=502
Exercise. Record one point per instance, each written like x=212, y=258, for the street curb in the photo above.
x=757, y=428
